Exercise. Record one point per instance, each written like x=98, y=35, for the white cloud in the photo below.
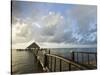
x=36, y=24
x=21, y=32
x=52, y=19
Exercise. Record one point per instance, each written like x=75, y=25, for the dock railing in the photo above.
x=89, y=58
x=55, y=63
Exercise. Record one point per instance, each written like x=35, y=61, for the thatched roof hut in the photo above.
x=33, y=45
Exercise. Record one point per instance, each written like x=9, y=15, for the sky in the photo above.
x=53, y=25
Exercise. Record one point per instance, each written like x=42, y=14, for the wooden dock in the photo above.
x=45, y=61
x=56, y=63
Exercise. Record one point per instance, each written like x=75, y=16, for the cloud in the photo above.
x=84, y=26
x=49, y=25
x=76, y=25
x=84, y=15
x=21, y=33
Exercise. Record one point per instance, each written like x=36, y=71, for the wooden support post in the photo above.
x=96, y=58
x=69, y=66
x=51, y=63
x=88, y=58
x=72, y=54
x=77, y=57
x=82, y=58
x=55, y=65
x=48, y=62
x=60, y=65
x=45, y=60
x=49, y=51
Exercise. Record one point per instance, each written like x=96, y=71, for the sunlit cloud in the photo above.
x=21, y=32
x=38, y=25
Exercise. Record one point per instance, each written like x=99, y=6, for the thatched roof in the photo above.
x=33, y=45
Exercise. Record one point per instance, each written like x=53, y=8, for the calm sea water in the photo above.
x=65, y=52
x=23, y=61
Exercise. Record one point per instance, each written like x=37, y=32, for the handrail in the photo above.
x=68, y=61
x=76, y=55
x=87, y=52
x=49, y=61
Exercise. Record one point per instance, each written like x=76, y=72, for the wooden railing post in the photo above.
x=55, y=64
x=88, y=58
x=96, y=58
x=69, y=66
x=82, y=58
x=45, y=60
x=72, y=56
x=60, y=65
x=77, y=58
x=49, y=51
x=51, y=64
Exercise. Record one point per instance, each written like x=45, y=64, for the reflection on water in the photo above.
x=23, y=62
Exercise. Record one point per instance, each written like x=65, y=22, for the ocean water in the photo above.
x=24, y=61
x=65, y=51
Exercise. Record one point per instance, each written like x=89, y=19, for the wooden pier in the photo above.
x=55, y=63
x=48, y=62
